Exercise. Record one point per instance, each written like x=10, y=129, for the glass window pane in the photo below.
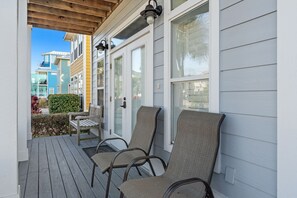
x=190, y=37
x=138, y=79
x=176, y=3
x=191, y=95
x=129, y=31
x=118, y=95
x=100, y=97
x=100, y=73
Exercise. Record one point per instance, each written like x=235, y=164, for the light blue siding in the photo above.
x=248, y=95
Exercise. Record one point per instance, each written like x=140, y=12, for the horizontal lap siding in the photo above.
x=248, y=95
x=76, y=66
x=159, y=84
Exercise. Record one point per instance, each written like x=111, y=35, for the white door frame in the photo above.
x=125, y=52
x=150, y=70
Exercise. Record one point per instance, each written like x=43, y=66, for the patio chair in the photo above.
x=140, y=145
x=86, y=120
x=191, y=164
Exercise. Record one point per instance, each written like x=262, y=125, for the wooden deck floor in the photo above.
x=59, y=168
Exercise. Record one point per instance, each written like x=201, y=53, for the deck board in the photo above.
x=32, y=178
x=59, y=168
x=45, y=190
x=58, y=190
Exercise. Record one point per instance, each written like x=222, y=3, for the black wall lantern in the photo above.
x=102, y=46
x=150, y=12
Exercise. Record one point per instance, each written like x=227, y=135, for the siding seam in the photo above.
x=247, y=21
x=231, y=5
x=246, y=137
x=248, y=162
x=243, y=68
x=248, y=44
x=245, y=114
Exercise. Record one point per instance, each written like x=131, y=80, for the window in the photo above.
x=176, y=3
x=80, y=84
x=100, y=84
x=190, y=72
x=189, y=61
x=51, y=91
x=136, y=26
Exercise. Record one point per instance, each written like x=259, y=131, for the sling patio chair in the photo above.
x=190, y=166
x=140, y=145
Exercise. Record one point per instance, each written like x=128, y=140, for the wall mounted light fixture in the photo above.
x=150, y=12
x=102, y=46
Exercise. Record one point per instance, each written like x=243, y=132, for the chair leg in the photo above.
x=78, y=135
x=108, y=182
x=152, y=168
x=69, y=130
x=93, y=175
x=139, y=173
x=122, y=195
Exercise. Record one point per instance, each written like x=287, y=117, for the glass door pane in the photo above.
x=118, y=95
x=137, y=81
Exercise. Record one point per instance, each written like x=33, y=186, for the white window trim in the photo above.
x=214, y=52
x=286, y=97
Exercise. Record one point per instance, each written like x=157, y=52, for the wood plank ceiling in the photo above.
x=75, y=16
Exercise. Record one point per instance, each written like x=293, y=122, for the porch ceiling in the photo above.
x=76, y=16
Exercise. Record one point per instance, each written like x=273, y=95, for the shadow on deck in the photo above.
x=59, y=168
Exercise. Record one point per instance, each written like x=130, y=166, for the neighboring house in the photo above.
x=236, y=57
x=63, y=74
x=47, y=74
x=80, y=67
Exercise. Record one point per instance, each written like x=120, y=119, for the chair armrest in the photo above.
x=85, y=117
x=110, y=139
x=78, y=113
x=132, y=163
x=176, y=185
x=124, y=151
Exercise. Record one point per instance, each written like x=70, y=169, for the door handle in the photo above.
x=124, y=105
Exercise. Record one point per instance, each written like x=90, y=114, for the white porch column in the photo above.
x=29, y=31
x=23, y=80
x=287, y=99
x=8, y=99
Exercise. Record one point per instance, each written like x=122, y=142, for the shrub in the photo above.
x=63, y=103
x=43, y=103
x=50, y=125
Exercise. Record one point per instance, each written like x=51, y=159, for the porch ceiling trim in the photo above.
x=76, y=16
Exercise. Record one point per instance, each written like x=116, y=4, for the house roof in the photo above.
x=76, y=16
x=56, y=53
x=58, y=58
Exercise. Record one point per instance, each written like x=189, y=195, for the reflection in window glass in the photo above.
x=190, y=37
x=100, y=97
x=129, y=31
x=100, y=73
x=192, y=95
x=138, y=79
x=176, y=3
x=118, y=95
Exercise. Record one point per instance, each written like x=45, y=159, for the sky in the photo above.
x=44, y=40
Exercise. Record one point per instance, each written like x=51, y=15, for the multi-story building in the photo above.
x=46, y=74
x=80, y=67
x=63, y=74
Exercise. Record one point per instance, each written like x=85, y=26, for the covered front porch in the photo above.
x=58, y=167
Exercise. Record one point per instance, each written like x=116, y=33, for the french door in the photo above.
x=129, y=85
